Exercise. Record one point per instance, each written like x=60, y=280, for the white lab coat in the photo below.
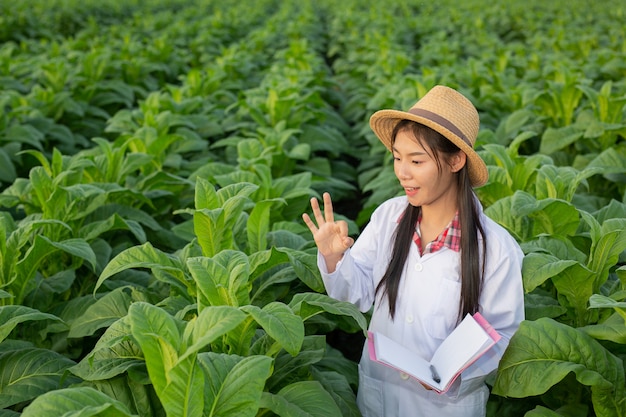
x=426, y=312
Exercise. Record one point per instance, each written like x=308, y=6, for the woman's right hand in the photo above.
x=331, y=237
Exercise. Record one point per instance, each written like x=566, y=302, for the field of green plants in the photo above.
x=156, y=157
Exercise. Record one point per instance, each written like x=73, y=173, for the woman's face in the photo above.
x=424, y=182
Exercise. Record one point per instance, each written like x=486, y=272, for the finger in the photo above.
x=342, y=227
x=317, y=213
x=328, y=208
x=343, y=232
x=309, y=223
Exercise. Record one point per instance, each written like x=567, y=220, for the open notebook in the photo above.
x=468, y=341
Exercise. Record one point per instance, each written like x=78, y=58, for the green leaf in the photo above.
x=236, y=191
x=601, y=301
x=540, y=411
x=221, y=280
x=76, y=402
x=158, y=335
x=577, y=284
x=612, y=329
x=605, y=253
x=555, y=139
x=338, y=387
x=206, y=196
x=26, y=373
x=12, y=315
x=311, y=304
x=144, y=256
x=43, y=248
x=212, y=323
x=305, y=266
x=7, y=168
x=102, y=313
x=176, y=379
x=543, y=352
x=115, y=353
x=258, y=226
x=301, y=399
x=211, y=229
x=234, y=385
x=540, y=267
x=537, y=306
x=280, y=323
x=288, y=368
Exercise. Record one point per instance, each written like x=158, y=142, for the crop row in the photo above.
x=157, y=156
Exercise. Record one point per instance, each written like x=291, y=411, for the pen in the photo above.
x=434, y=373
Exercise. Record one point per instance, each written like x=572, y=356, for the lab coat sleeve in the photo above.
x=353, y=279
x=346, y=283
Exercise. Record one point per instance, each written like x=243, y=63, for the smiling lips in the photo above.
x=411, y=191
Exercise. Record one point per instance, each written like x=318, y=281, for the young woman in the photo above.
x=425, y=259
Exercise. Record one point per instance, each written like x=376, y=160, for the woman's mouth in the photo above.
x=410, y=191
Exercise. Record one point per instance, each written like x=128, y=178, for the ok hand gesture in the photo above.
x=331, y=237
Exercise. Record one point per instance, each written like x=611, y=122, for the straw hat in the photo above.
x=446, y=111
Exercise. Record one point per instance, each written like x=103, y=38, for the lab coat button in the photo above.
x=418, y=267
x=409, y=318
x=404, y=375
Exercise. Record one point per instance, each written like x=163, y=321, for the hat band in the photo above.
x=441, y=121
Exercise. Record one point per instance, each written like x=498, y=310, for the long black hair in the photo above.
x=472, y=267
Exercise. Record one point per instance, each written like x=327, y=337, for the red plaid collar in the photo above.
x=450, y=237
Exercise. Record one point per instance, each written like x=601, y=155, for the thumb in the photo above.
x=348, y=242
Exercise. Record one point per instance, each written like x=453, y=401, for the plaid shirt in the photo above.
x=450, y=237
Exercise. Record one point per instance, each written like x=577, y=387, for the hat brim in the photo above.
x=383, y=122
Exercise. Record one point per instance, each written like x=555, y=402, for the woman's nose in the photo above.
x=403, y=171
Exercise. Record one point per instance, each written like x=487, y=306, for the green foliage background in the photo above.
x=156, y=156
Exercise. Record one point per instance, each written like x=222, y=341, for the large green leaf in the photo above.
x=114, y=222
x=526, y=217
x=576, y=283
x=76, y=402
x=211, y=230
x=543, y=352
x=305, y=266
x=234, y=385
x=301, y=399
x=311, y=304
x=102, y=313
x=541, y=305
x=133, y=391
x=214, y=227
x=258, y=225
x=338, y=387
x=145, y=256
x=613, y=328
x=537, y=268
x=115, y=353
x=12, y=315
x=26, y=373
x=606, y=251
x=211, y=323
x=280, y=323
x=553, y=139
x=176, y=379
x=288, y=368
x=42, y=250
x=159, y=336
x=222, y=279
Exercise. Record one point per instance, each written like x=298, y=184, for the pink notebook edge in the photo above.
x=487, y=326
